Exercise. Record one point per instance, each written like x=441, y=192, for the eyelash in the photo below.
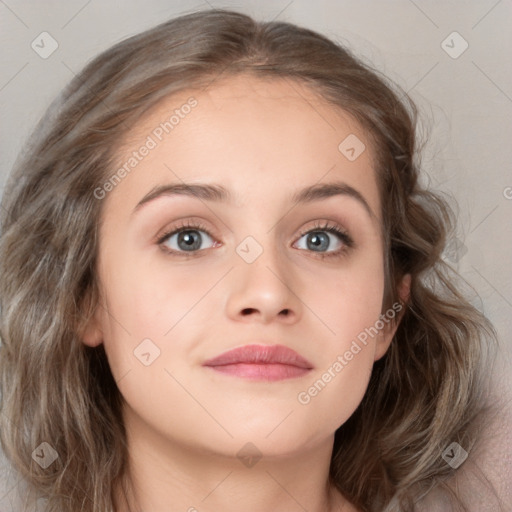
x=344, y=237
x=346, y=240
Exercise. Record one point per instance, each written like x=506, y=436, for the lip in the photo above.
x=261, y=362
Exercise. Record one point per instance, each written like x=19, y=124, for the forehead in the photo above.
x=257, y=100
x=246, y=132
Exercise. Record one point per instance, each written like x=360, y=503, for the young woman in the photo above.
x=222, y=286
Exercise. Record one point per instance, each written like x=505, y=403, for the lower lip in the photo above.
x=268, y=372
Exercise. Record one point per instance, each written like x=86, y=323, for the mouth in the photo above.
x=261, y=362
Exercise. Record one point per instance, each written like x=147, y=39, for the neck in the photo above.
x=162, y=472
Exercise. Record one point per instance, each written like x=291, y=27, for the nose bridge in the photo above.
x=261, y=261
x=262, y=282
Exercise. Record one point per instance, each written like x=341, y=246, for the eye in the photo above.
x=187, y=238
x=328, y=240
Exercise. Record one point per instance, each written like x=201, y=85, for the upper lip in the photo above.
x=260, y=354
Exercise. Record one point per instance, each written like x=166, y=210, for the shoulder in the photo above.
x=484, y=480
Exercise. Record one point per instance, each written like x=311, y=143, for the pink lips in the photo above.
x=261, y=362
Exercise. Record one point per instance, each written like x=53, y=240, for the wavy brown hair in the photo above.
x=426, y=392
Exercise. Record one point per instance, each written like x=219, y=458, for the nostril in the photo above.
x=249, y=311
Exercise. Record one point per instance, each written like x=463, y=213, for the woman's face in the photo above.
x=273, y=172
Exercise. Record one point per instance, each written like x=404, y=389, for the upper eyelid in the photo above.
x=184, y=225
x=348, y=243
x=191, y=225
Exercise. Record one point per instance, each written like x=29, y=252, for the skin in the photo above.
x=262, y=140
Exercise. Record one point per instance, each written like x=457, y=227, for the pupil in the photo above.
x=188, y=239
x=318, y=240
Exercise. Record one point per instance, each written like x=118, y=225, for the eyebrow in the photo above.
x=218, y=193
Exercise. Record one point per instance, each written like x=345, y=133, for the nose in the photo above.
x=263, y=291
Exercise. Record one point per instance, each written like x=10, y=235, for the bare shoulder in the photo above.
x=493, y=458
x=484, y=480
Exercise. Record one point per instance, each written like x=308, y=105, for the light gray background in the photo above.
x=466, y=102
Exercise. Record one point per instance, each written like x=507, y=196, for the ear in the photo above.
x=91, y=332
x=386, y=334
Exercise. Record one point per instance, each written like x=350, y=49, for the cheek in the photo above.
x=349, y=300
x=149, y=317
x=336, y=392
x=148, y=300
x=349, y=306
